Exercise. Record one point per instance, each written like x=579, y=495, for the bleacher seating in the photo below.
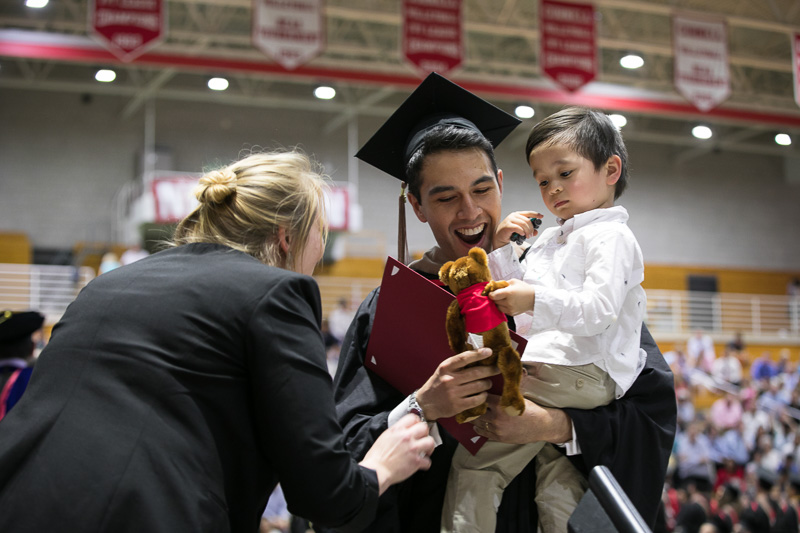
x=15, y=248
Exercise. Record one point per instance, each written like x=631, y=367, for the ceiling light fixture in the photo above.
x=105, y=75
x=783, y=139
x=38, y=4
x=618, y=120
x=702, y=132
x=524, y=111
x=217, y=84
x=631, y=61
x=323, y=92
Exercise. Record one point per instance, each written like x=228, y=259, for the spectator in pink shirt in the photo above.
x=726, y=412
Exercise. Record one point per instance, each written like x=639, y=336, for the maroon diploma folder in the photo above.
x=409, y=340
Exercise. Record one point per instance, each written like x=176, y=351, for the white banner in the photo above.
x=289, y=31
x=702, y=74
x=796, y=65
x=173, y=197
x=338, y=208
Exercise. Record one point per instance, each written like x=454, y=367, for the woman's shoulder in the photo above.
x=220, y=268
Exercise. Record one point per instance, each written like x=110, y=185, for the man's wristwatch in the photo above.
x=414, y=407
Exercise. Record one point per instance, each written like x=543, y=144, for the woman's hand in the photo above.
x=454, y=388
x=517, y=222
x=400, y=451
x=519, y=297
x=536, y=424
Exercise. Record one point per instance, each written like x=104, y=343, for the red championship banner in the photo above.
x=701, y=61
x=433, y=35
x=568, y=43
x=291, y=32
x=796, y=66
x=128, y=27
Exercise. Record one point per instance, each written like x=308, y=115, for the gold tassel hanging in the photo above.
x=402, y=244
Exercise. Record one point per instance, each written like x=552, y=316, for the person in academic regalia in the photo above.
x=177, y=391
x=16, y=354
x=440, y=141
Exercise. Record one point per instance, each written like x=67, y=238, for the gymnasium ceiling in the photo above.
x=363, y=61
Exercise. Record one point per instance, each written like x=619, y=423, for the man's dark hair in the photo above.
x=589, y=133
x=445, y=138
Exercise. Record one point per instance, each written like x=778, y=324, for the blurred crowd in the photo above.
x=734, y=463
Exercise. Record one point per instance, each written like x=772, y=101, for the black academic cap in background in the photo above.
x=16, y=326
x=435, y=101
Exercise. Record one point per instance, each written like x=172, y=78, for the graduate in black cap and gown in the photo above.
x=16, y=354
x=440, y=142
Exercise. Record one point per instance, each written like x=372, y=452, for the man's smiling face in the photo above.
x=460, y=199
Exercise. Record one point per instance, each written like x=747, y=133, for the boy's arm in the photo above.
x=613, y=265
x=519, y=224
x=504, y=263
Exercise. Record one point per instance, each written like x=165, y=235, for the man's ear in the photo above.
x=283, y=240
x=500, y=181
x=613, y=169
x=417, y=207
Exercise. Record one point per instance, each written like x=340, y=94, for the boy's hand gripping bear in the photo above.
x=472, y=312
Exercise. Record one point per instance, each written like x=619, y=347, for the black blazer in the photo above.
x=173, y=395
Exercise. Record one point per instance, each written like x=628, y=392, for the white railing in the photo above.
x=50, y=289
x=757, y=315
x=352, y=290
x=45, y=288
x=769, y=318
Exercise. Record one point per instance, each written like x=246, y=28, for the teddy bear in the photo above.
x=472, y=311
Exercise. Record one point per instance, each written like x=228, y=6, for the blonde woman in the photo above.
x=178, y=390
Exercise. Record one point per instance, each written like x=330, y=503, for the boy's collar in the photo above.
x=615, y=213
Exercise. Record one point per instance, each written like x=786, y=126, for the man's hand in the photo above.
x=536, y=424
x=519, y=297
x=516, y=222
x=454, y=388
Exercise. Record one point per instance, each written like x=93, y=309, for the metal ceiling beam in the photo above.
x=147, y=92
x=355, y=110
x=363, y=54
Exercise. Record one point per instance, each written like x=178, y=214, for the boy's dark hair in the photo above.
x=590, y=133
x=441, y=139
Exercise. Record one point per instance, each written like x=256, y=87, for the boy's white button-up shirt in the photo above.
x=589, y=304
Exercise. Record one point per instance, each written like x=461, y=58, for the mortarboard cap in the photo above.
x=16, y=326
x=435, y=101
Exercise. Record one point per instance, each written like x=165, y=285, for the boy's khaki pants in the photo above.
x=476, y=482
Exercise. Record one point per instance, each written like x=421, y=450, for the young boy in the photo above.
x=576, y=296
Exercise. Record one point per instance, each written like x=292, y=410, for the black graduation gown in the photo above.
x=632, y=436
x=173, y=395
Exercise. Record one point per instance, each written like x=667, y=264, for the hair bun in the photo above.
x=216, y=186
